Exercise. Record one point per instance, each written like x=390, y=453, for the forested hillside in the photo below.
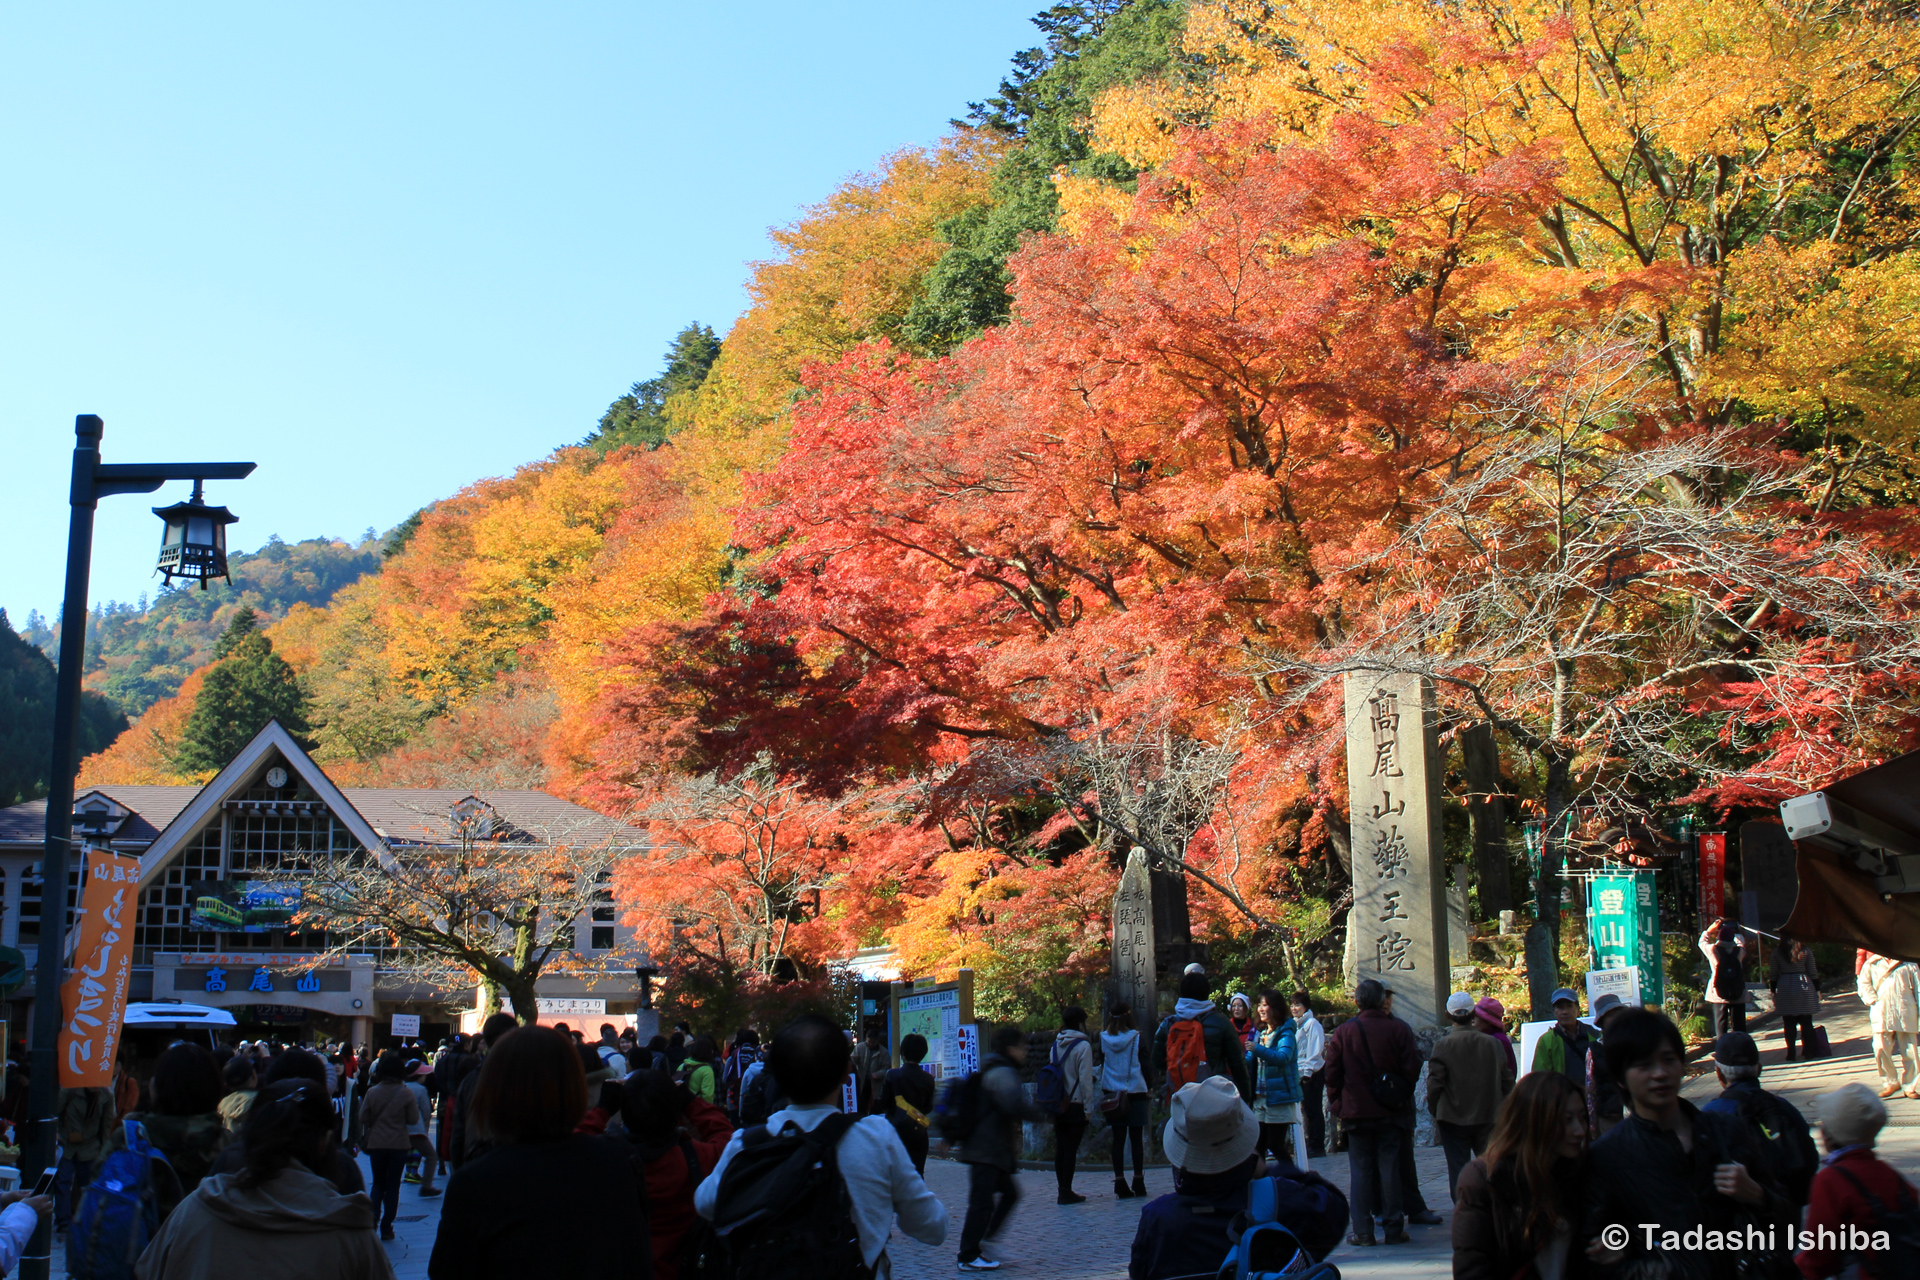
x=140, y=653
x=1057, y=472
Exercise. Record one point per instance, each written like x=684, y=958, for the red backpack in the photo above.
x=1186, y=1053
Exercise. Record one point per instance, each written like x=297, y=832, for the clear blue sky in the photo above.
x=384, y=251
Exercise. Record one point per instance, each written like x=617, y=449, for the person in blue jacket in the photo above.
x=1274, y=1064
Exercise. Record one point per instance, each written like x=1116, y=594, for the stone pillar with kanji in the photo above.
x=1397, y=930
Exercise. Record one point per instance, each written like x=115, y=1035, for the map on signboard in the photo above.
x=935, y=1015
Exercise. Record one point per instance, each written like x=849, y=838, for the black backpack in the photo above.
x=782, y=1210
x=1901, y=1261
x=957, y=1113
x=1729, y=978
x=1787, y=1145
x=761, y=1099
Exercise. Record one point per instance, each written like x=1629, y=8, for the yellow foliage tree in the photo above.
x=1689, y=131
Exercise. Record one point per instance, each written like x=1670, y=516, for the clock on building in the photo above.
x=276, y=777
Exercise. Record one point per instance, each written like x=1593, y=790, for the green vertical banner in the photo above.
x=1653, y=984
x=1623, y=929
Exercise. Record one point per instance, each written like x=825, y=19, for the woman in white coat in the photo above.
x=1728, y=954
x=1891, y=990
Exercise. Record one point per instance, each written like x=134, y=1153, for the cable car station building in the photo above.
x=271, y=806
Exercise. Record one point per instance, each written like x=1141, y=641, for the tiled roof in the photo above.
x=423, y=816
x=153, y=808
x=400, y=815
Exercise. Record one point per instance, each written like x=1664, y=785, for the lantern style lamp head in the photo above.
x=195, y=542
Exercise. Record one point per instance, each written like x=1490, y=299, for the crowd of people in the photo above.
x=694, y=1155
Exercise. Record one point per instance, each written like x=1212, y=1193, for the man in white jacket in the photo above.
x=1891, y=990
x=1311, y=1039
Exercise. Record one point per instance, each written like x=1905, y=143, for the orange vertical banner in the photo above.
x=93, y=999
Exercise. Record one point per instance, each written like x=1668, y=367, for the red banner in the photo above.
x=93, y=1000
x=1713, y=875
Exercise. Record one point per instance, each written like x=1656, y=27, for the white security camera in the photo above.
x=1891, y=856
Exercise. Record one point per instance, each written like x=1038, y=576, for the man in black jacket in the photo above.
x=1369, y=1058
x=1669, y=1168
x=1226, y=1052
x=1778, y=1129
x=462, y=1148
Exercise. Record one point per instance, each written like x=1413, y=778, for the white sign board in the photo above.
x=406, y=1025
x=968, y=1038
x=849, y=1100
x=1624, y=983
x=549, y=1005
x=934, y=1015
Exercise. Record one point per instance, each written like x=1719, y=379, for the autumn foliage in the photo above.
x=1415, y=343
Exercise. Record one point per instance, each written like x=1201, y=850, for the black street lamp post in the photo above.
x=199, y=527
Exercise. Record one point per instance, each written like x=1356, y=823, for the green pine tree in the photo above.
x=247, y=686
x=640, y=416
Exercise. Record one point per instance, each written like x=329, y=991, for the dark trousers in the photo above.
x=991, y=1195
x=1068, y=1130
x=1410, y=1198
x=388, y=1166
x=1373, y=1174
x=1137, y=1136
x=69, y=1180
x=1313, y=1110
x=1463, y=1142
x=913, y=1136
x=1729, y=1017
x=1276, y=1141
x=1797, y=1030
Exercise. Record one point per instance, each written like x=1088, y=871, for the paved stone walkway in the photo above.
x=1091, y=1241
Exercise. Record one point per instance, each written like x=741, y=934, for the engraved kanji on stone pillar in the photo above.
x=1133, y=957
x=1398, y=926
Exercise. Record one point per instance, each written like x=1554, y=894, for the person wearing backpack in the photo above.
x=184, y=1124
x=814, y=1192
x=1123, y=1082
x=1778, y=1128
x=1856, y=1189
x=700, y=1070
x=676, y=1140
x=86, y=1124
x=746, y=1052
x=990, y=1146
x=1726, y=949
x=1212, y=1141
x=276, y=1215
x=1372, y=1063
x=1198, y=1041
x=906, y=1100
x=1071, y=1059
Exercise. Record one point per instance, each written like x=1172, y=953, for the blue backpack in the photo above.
x=120, y=1210
x=1293, y=1221
x=1050, y=1084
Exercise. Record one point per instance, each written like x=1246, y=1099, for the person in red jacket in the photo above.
x=1360, y=1052
x=1841, y=1219
x=678, y=1138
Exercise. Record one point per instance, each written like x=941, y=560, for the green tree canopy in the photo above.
x=26, y=718
x=1091, y=46
x=640, y=416
x=247, y=686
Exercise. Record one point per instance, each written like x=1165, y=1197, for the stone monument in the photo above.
x=1133, y=952
x=1397, y=930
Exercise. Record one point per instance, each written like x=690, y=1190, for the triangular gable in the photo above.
x=233, y=779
